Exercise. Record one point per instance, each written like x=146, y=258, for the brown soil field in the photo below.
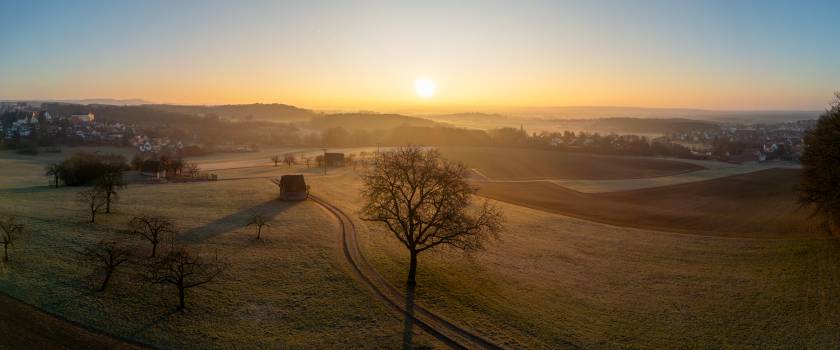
x=761, y=204
x=530, y=164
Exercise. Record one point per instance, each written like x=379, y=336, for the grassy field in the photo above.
x=551, y=282
x=759, y=204
x=559, y=282
x=529, y=164
x=290, y=290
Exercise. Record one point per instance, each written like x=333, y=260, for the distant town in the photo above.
x=30, y=128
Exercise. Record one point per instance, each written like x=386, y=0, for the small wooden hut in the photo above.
x=292, y=187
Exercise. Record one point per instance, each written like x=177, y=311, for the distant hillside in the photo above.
x=367, y=121
x=588, y=112
x=140, y=115
x=257, y=111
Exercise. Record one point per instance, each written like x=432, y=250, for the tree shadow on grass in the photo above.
x=236, y=220
x=408, y=324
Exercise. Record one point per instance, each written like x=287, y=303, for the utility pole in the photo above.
x=325, y=160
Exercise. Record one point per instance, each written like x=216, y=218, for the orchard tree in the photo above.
x=289, y=159
x=183, y=269
x=54, y=170
x=94, y=200
x=259, y=221
x=111, y=181
x=155, y=229
x=819, y=185
x=107, y=256
x=10, y=230
x=424, y=201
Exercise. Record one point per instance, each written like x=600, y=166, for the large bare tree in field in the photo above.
x=107, y=256
x=183, y=269
x=10, y=230
x=155, y=229
x=94, y=199
x=425, y=201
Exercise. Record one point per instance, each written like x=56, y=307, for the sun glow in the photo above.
x=425, y=87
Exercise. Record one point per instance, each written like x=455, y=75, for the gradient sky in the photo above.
x=366, y=55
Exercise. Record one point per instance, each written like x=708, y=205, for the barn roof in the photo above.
x=292, y=183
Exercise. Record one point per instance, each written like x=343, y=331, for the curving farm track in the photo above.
x=445, y=331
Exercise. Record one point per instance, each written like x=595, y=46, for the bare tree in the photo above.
x=183, y=269
x=10, y=232
x=106, y=255
x=350, y=159
x=275, y=159
x=423, y=200
x=289, y=159
x=54, y=170
x=109, y=183
x=308, y=160
x=94, y=199
x=259, y=221
x=155, y=229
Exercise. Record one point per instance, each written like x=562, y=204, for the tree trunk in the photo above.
x=105, y=281
x=259, y=231
x=154, y=249
x=5, y=251
x=412, y=269
x=181, y=304
x=108, y=202
x=92, y=216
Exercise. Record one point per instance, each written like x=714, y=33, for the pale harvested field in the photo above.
x=530, y=164
x=559, y=282
x=292, y=290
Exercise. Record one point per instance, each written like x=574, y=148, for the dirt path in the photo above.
x=453, y=335
x=24, y=326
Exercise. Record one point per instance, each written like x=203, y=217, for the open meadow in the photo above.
x=289, y=290
x=552, y=281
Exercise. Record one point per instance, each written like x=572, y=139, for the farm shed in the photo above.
x=334, y=159
x=292, y=187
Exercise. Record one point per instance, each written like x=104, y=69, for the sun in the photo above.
x=425, y=87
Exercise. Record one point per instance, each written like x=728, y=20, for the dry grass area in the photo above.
x=290, y=290
x=559, y=282
x=531, y=164
x=759, y=204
